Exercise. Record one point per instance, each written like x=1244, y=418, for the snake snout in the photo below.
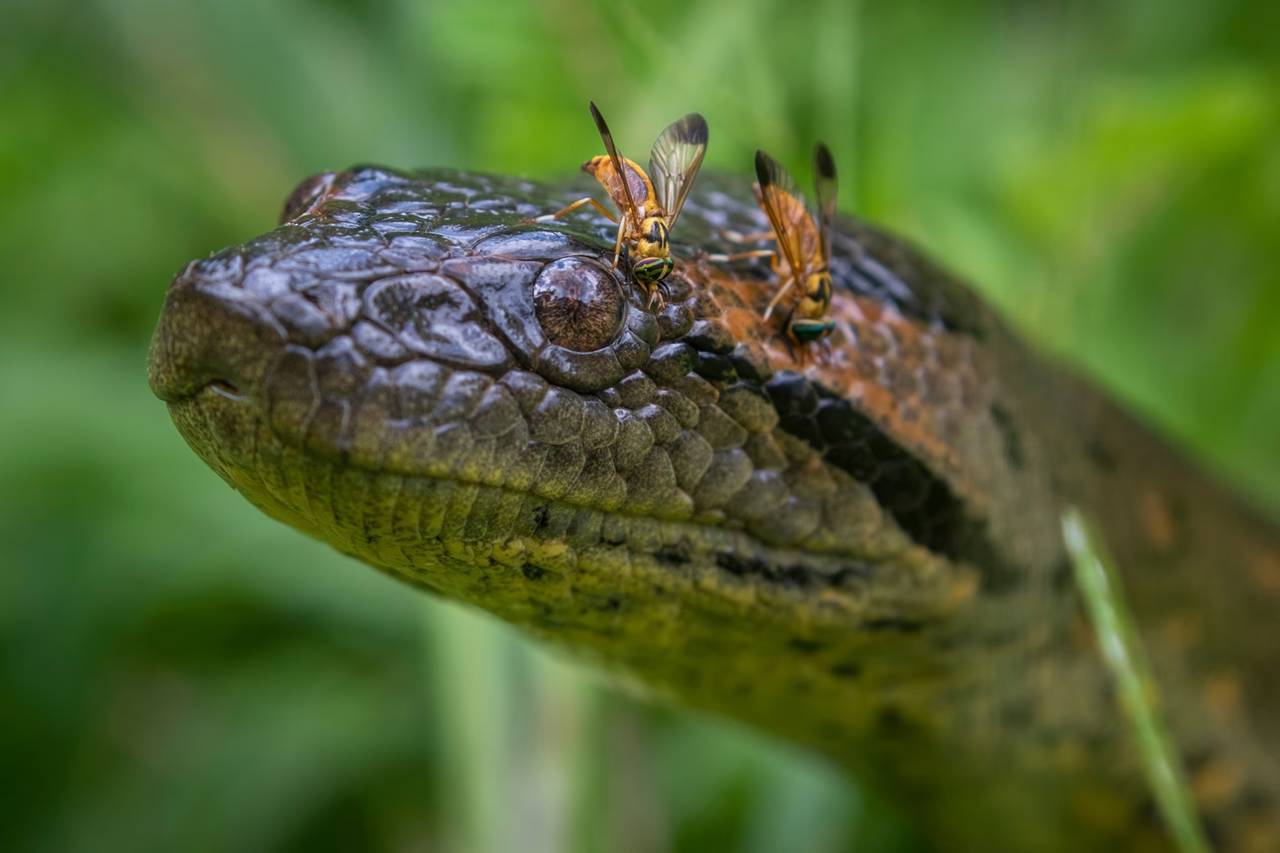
x=211, y=334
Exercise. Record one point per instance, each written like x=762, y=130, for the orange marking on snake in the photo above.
x=917, y=384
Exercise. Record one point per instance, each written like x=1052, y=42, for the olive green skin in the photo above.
x=852, y=543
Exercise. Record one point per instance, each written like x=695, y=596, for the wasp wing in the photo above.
x=824, y=182
x=783, y=207
x=619, y=167
x=674, y=161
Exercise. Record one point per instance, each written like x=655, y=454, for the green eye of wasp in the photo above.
x=811, y=330
x=653, y=269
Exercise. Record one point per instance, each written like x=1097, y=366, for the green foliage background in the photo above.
x=180, y=673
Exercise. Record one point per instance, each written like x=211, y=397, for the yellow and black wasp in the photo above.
x=802, y=257
x=648, y=208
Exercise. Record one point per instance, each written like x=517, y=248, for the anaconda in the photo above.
x=854, y=545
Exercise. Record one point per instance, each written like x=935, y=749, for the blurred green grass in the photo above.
x=181, y=672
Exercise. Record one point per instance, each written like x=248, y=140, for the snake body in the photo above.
x=854, y=544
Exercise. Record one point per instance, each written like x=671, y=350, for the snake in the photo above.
x=854, y=545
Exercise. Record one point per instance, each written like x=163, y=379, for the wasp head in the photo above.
x=652, y=270
x=810, y=330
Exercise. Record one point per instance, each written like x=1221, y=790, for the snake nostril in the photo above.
x=225, y=388
x=211, y=335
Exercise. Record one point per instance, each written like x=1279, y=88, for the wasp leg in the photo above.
x=798, y=352
x=617, y=243
x=656, y=297
x=738, y=237
x=738, y=256
x=565, y=211
x=773, y=303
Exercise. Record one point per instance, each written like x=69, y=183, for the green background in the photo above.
x=178, y=672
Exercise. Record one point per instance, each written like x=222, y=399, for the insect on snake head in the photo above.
x=811, y=330
x=652, y=270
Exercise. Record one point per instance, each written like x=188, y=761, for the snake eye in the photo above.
x=306, y=194
x=579, y=304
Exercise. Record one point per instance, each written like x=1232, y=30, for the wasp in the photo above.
x=802, y=257
x=648, y=208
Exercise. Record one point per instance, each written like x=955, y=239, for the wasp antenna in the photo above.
x=763, y=175
x=823, y=163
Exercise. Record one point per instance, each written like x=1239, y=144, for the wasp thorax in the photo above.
x=651, y=238
x=656, y=229
x=818, y=288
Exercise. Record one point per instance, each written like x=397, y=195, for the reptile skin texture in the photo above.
x=852, y=544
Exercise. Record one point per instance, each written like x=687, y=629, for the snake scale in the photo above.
x=853, y=544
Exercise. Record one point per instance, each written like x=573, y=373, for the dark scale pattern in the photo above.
x=917, y=499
